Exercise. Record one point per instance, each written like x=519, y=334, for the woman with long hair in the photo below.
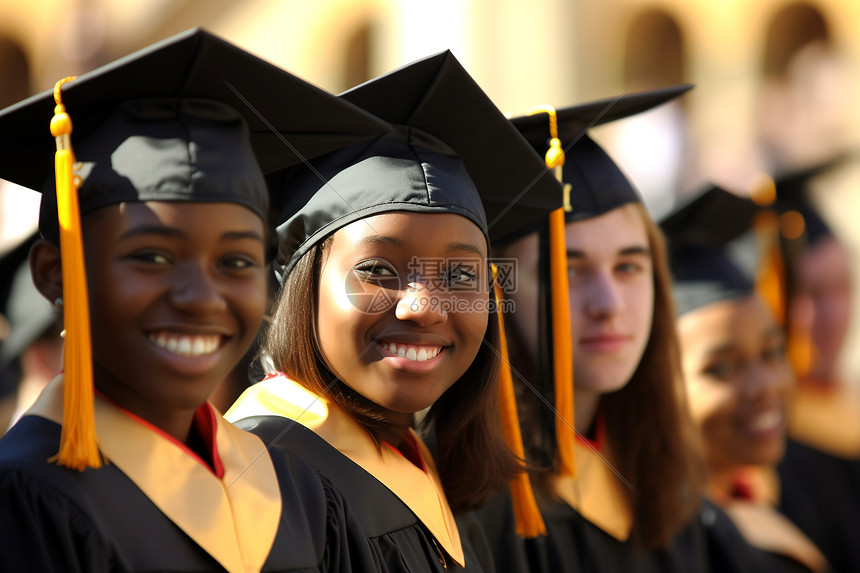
x=385, y=311
x=632, y=499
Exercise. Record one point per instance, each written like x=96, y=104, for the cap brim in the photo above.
x=575, y=120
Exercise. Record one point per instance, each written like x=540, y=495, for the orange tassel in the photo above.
x=562, y=344
x=527, y=517
x=770, y=278
x=78, y=444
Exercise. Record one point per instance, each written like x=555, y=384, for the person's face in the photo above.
x=402, y=306
x=737, y=375
x=611, y=298
x=822, y=303
x=177, y=292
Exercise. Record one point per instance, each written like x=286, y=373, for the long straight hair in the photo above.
x=648, y=426
x=471, y=456
x=648, y=423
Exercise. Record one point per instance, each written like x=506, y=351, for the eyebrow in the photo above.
x=174, y=232
x=464, y=248
x=450, y=247
x=377, y=239
x=626, y=251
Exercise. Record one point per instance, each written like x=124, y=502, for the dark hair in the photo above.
x=471, y=456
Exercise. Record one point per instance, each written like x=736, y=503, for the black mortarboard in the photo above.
x=706, y=245
x=192, y=118
x=28, y=313
x=451, y=150
x=597, y=183
x=794, y=197
x=159, y=123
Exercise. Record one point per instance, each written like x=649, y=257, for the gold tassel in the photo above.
x=78, y=444
x=527, y=517
x=770, y=278
x=562, y=345
x=799, y=346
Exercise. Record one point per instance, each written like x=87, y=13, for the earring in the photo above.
x=58, y=302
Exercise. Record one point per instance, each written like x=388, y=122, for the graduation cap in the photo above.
x=450, y=151
x=700, y=232
x=28, y=314
x=800, y=218
x=597, y=184
x=192, y=118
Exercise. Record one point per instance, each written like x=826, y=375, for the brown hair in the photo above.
x=653, y=438
x=472, y=459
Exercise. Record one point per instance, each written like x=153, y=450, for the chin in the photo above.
x=602, y=381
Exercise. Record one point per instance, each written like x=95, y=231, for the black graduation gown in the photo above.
x=711, y=542
x=398, y=538
x=820, y=493
x=575, y=544
x=57, y=519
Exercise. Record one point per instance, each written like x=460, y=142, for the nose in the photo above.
x=195, y=291
x=767, y=382
x=602, y=296
x=422, y=306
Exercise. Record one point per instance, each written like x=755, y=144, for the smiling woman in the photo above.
x=733, y=355
x=384, y=312
x=165, y=297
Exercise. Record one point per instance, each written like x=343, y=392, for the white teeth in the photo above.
x=766, y=421
x=421, y=354
x=186, y=345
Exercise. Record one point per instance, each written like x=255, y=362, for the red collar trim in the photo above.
x=204, y=424
x=409, y=450
x=599, y=440
x=742, y=488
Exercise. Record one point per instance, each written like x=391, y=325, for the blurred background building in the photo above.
x=776, y=80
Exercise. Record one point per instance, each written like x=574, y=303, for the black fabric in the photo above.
x=451, y=151
x=597, y=184
x=289, y=119
x=710, y=543
x=820, y=493
x=392, y=173
x=437, y=96
x=398, y=541
x=61, y=520
x=703, y=276
x=191, y=118
x=711, y=251
x=728, y=550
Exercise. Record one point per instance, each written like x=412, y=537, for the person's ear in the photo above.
x=47, y=269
